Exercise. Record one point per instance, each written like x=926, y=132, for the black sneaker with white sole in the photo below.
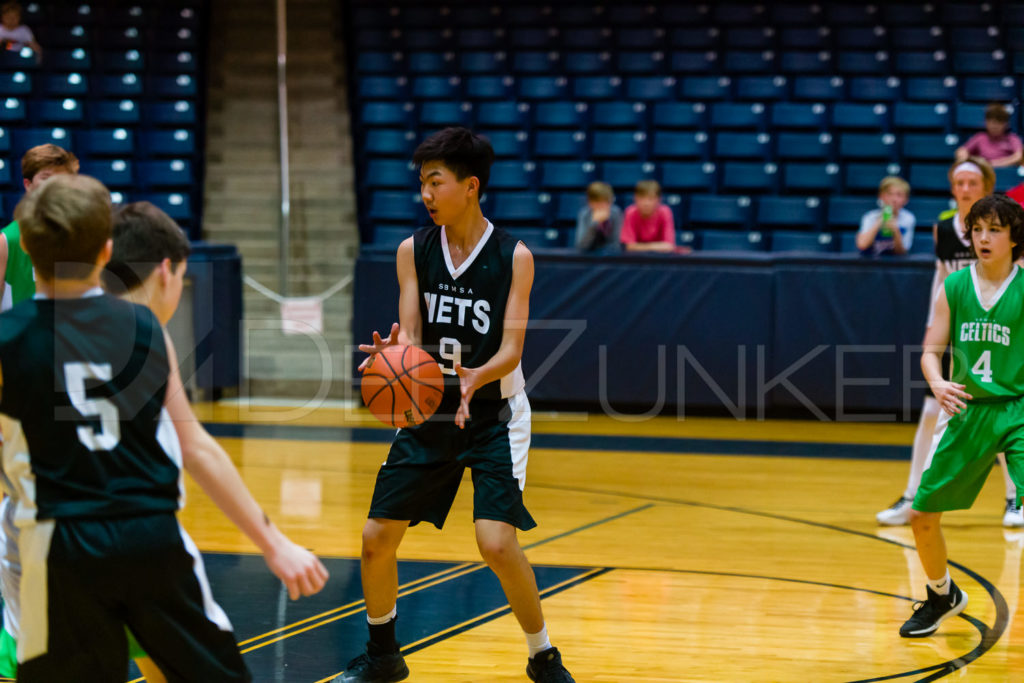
x=546, y=667
x=933, y=611
x=382, y=668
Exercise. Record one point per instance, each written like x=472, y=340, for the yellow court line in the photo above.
x=479, y=617
x=401, y=594
x=406, y=586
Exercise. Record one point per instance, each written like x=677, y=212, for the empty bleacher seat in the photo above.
x=510, y=208
x=789, y=212
x=15, y=83
x=640, y=62
x=508, y=143
x=481, y=62
x=732, y=240
x=182, y=86
x=436, y=87
x=619, y=115
x=988, y=89
x=421, y=62
x=930, y=88
x=62, y=85
x=123, y=112
x=867, y=146
x=398, y=114
x=688, y=176
x=801, y=241
x=388, y=142
x=860, y=62
x=926, y=210
x=177, y=113
x=860, y=37
x=398, y=207
x=118, y=142
x=76, y=59
x=750, y=176
x=864, y=177
x=928, y=147
x=738, y=115
x=798, y=115
x=391, y=173
x=58, y=111
x=922, y=63
x=26, y=138
x=442, y=113
x=114, y=173
x=177, y=205
x=538, y=238
x=720, y=211
x=618, y=144
x=390, y=236
x=804, y=177
x=928, y=177
x=120, y=85
x=874, y=88
x=692, y=62
x=597, y=87
x=489, y=87
x=846, y=212
x=858, y=115
x=669, y=144
x=513, y=175
x=733, y=145
x=503, y=115
x=567, y=175
x=919, y=116
x=541, y=87
x=762, y=88
x=6, y=177
x=705, y=87
x=534, y=62
x=12, y=110
x=563, y=114
x=797, y=62
x=818, y=88
x=559, y=143
x=803, y=145
x=623, y=175
x=679, y=115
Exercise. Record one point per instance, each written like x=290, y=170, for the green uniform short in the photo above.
x=963, y=450
x=424, y=468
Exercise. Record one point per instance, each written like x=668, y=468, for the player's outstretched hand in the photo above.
x=951, y=396
x=469, y=380
x=300, y=570
x=378, y=344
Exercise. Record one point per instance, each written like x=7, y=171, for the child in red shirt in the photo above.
x=648, y=224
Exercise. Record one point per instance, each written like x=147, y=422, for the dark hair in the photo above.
x=997, y=112
x=42, y=157
x=461, y=150
x=998, y=208
x=65, y=224
x=143, y=237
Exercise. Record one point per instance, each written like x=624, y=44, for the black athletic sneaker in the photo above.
x=933, y=611
x=546, y=667
x=368, y=668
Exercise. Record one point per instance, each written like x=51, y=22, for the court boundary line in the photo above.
x=990, y=636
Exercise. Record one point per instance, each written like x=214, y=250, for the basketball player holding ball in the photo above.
x=464, y=297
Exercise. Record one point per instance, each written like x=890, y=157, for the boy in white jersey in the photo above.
x=969, y=181
x=980, y=312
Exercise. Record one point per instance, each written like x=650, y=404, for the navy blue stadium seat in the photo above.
x=860, y=177
x=76, y=59
x=959, y=13
x=392, y=174
x=981, y=63
x=534, y=62
x=859, y=115
x=679, y=144
x=688, y=176
x=867, y=146
x=628, y=15
x=874, y=88
x=581, y=37
x=525, y=15
x=390, y=236
x=619, y=115
x=801, y=241
x=378, y=62
x=798, y=115
x=732, y=240
x=692, y=62
x=538, y=238
x=969, y=117
x=860, y=62
x=919, y=116
x=177, y=113
x=928, y=37
x=513, y=175
x=719, y=211
x=597, y=87
x=503, y=115
x=400, y=114
x=182, y=86
x=640, y=62
x=930, y=88
x=694, y=38
x=794, y=14
x=564, y=114
x=730, y=145
x=508, y=143
x=123, y=112
x=532, y=38
x=542, y=87
x=58, y=111
x=5, y=140
x=567, y=175
x=988, y=89
x=441, y=114
x=180, y=142
x=738, y=115
x=805, y=177
x=705, y=87
x=489, y=87
x=12, y=110
x=679, y=115
x=909, y=14
x=397, y=207
x=421, y=62
x=920, y=63
x=25, y=138
x=436, y=87
x=750, y=62
x=749, y=176
x=119, y=85
x=567, y=208
x=559, y=143
x=860, y=37
x=804, y=62
x=15, y=83
x=177, y=205
x=388, y=142
x=687, y=238
x=62, y=85
x=382, y=88
x=1008, y=177
x=802, y=145
x=481, y=62
x=847, y=241
x=618, y=144
x=928, y=147
x=791, y=37
x=118, y=142
x=926, y=177
x=924, y=241
x=749, y=37
x=804, y=213
x=650, y=88
x=114, y=173
x=926, y=210
x=738, y=13
x=6, y=177
x=762, y=88
x=819, y=88
x=845, y=212
x=512, y=208
x=425, y=39
x=623, y=175
x=121, y=60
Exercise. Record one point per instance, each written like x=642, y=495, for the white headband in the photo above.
x=968, y=166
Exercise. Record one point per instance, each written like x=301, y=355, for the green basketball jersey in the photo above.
x=20, y=277
x=988, y=343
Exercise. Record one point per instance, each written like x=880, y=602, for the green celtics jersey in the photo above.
x=19, y=279
x=985, y=357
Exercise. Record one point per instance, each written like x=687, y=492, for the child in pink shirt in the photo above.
x=996, y=144
x=648, y=224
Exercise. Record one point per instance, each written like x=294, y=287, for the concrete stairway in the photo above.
x=242, y=203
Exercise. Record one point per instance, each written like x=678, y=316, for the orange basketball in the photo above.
x=402, y=385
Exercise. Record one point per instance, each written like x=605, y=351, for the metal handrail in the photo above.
x=282, y=117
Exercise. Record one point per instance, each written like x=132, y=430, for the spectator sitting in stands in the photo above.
x=599, y=223
x=15, y=35
x=995, y=144
x=648, y=224
x=888, y=229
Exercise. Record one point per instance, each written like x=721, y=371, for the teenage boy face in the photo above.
x=992, y=241
x=995, y=128
x=968, y=187
x=894, y=197
x=445, y=196
x=646, y=203
x=44, y=175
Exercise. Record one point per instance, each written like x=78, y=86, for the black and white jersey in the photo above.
x=463, y=309
x=952, y=252
x=86, y=378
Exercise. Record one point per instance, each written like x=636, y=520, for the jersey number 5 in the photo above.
x=983, y=368
x=109, y=433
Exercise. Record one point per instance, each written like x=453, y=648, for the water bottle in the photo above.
x=886, y=217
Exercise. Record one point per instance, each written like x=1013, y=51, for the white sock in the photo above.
x=377, y=621
x=538, y=642
x=922, y=445
x=942, y=585
x=1011, y=488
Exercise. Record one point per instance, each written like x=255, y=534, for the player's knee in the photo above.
x=496, y=551
x=923, y=522
x=377, y=542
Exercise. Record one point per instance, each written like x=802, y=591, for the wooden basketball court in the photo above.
x=667, y=550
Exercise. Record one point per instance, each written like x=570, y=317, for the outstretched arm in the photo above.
x=210, y=466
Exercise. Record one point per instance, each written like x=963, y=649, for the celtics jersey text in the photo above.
x=87, y=378
x=988, y=343
x=463, y=309
x=20, y=276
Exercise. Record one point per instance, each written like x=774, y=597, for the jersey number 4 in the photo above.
x=109, y=433
x=983, y=368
